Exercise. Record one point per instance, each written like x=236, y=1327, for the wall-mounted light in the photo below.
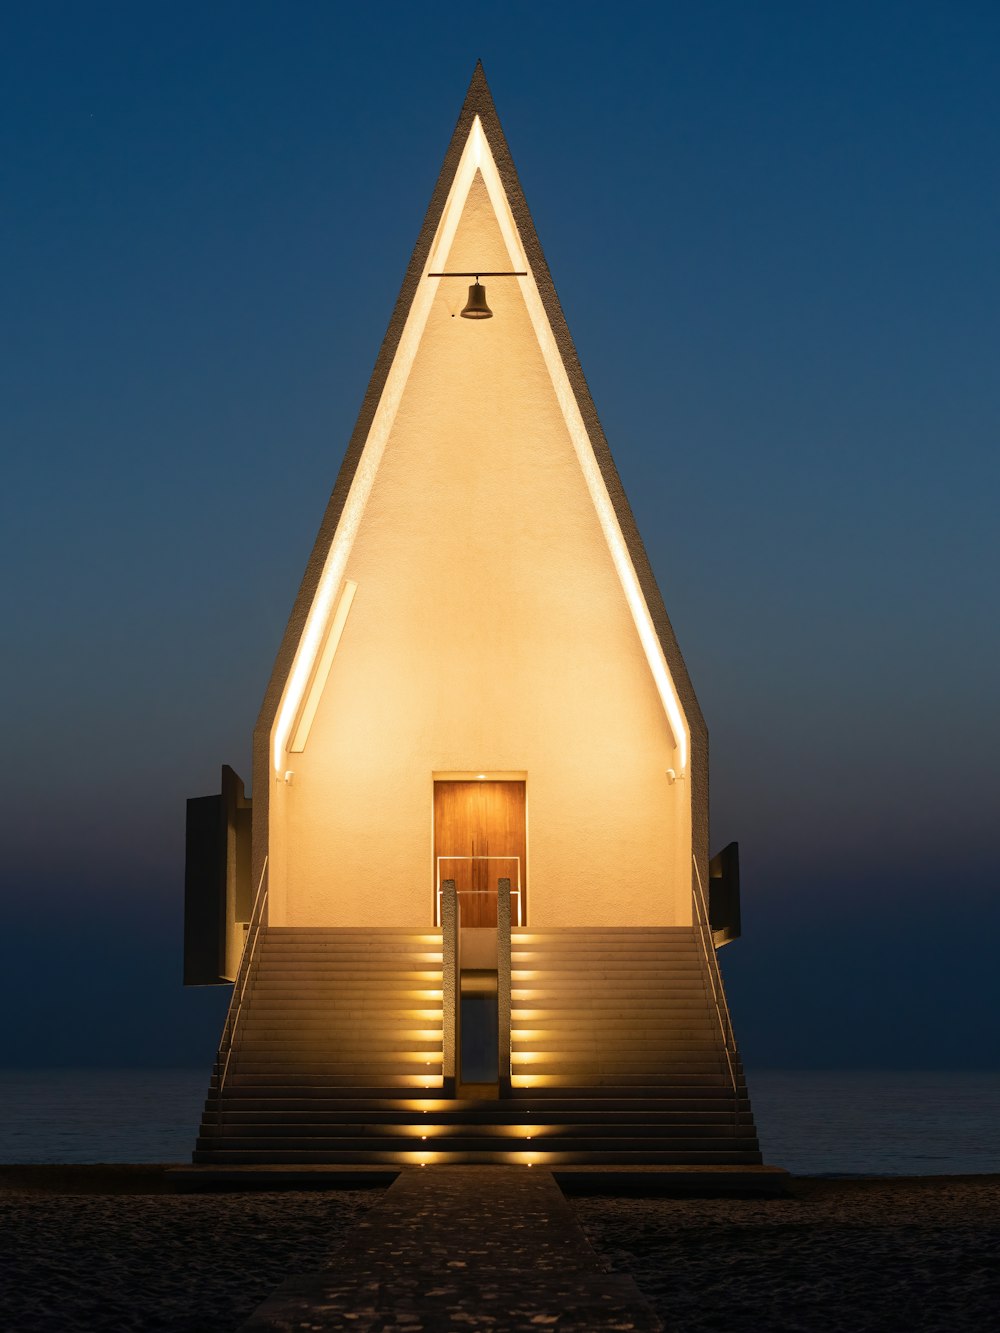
x=476, y=307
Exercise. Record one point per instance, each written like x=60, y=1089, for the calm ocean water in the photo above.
x=811, y=1123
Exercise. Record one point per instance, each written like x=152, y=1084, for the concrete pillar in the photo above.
x=503, y=984
x=451, y=979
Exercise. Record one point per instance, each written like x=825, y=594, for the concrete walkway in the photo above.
x=462, y=1248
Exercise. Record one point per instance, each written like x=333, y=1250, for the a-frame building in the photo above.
x=478, y=920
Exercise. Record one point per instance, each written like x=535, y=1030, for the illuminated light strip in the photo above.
x=322, y=672
x=476, y=155
x=588, y=462
x=332, y=574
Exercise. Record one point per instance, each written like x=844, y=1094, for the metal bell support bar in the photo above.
x=476, y=307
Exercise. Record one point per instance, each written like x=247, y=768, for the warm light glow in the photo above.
x=421, y=1132
x=322, y=672
x=371, y=457
x=585, y=454
x=420, y=1158
x=476, y=156
x=526, y=1158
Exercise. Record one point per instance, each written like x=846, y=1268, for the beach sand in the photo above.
x=904, y=1253
x=200, y=1263
x=112, y=1251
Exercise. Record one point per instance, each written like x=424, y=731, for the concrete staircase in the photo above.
x=618, y=1057
x=613, y=1008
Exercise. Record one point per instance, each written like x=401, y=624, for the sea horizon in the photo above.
x=837, y=1122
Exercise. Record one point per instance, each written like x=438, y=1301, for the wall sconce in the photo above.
x=476, y=307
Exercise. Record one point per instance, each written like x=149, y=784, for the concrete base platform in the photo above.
x=640, y=1180
x=218, y=1179
x=701, y=1181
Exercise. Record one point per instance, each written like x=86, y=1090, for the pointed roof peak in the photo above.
x=642, y=590
x=478, y=98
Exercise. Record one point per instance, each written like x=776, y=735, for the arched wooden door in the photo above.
x=479, y=837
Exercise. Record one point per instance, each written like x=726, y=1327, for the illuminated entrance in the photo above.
x=479, y=837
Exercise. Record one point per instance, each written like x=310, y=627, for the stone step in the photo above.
x=598, y=1071
x=308, y=1015
x=360, y=1079
x=550, y=1121
x=353, y=1032
x=242, y=1099
x=623, y=1034
x=616, y=953
x=303, y=1055
x=335, y=960
x=531, y=933
x=574, y=967
x=533, y=1078
x=687, y=1001
x=373, y=1038
x=632, y=1054
x=643, y=955
x=627, y=990
x=423, y=1065
x=520, y=1157
x=332, y=955
x=350, y=972
x=393, y=979
x=477, y=1142
x=288, y=952
x=365, y=997
x=358, y=932
x=358, y=1029
x=586, y=1126
x=632, y=1028
x=364, y=989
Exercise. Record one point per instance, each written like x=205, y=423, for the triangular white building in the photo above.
x=480, y=786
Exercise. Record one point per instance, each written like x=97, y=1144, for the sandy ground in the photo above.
x=887, y=1254
x=186, y=1263
x=906, y=1254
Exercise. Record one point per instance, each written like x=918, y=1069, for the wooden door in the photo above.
x=479, y=830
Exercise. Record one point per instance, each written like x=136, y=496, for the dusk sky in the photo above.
x=775, y=232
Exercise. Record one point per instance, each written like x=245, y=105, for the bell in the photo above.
x=476, y=307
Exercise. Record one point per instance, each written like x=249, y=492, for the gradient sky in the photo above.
x=774, y=230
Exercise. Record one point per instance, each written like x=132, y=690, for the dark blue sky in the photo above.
x=774, y=230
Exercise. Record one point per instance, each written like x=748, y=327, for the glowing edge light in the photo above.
x=476, y=156
x=371, y=456
x=301, y=733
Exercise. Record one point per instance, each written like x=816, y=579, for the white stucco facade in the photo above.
x=493, y=629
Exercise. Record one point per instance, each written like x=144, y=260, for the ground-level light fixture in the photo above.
x=476, y=307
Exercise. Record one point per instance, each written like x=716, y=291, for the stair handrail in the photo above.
x=247, y=960
x=715, y=980
x=469, y=893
